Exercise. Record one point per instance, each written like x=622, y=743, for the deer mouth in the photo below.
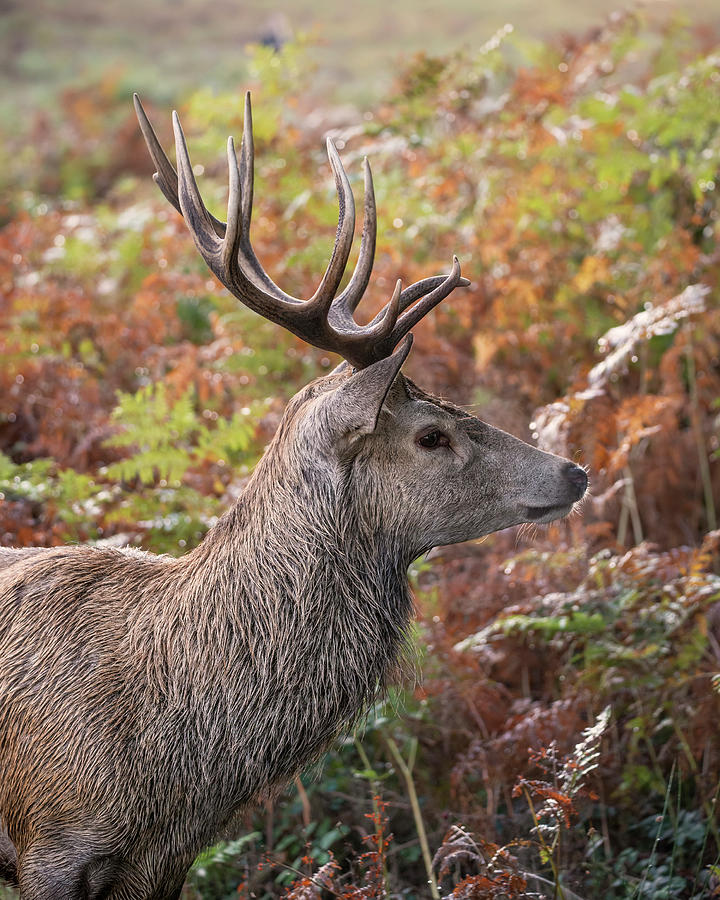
x=544, y=514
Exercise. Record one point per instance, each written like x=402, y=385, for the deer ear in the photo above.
x=357, y=403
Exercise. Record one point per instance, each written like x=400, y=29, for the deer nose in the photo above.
x=577, y=478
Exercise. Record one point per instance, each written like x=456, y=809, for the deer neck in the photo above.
x=304, y=549
x=308, y=620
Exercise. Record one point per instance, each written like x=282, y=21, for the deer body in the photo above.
x=145, y=701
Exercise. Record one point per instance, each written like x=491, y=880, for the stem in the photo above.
x=305, y=801
x=629, y=510
x=710, y=514
x=417, y=815
x=375, y=784
x=713, y=806
x=632, y=505
x=366, y=762
x=624, y=516
x=557, y=890
x=707, y=807
x=651, y=862
x=604, y=828
x=569, y=895
x=650, y=747
x=269, y=825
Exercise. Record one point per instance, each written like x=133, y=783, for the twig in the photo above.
x=375, y=784
x=305, y=801
x=406, y=772
x=651, y=862
x=557, y=888
x=569, y=895
x=699, y=439
x=709, y=811
x=269, y=824
x=629, y=510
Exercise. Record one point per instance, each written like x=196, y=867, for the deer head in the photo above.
x=423, y=470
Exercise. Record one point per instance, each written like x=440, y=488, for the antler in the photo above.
x=325, y=320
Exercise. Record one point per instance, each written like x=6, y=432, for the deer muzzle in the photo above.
x=574, y=483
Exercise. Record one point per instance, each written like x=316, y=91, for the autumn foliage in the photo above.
x=565, y=735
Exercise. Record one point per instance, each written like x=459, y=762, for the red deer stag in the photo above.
x=144, y=700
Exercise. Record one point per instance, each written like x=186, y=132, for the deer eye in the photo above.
x=434, y=439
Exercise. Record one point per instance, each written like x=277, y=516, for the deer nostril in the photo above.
x=577, y=478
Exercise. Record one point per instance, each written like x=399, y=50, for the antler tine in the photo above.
x=192, y=207
x=165, y=177
x=388, y=330
x=323, y=296
x=236, y=247
x=235, y=220
x=416, y=290
x=247, y=258
x=247, y=165
x=361, y=342
x=320, y=302
x=325, y=293
x=347, y=302
x=220, y=254
x=442, y=284
x=437, y=287
x=307, y=319
x=413, y=314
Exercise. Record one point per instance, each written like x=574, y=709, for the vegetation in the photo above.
x=176, y=45
x=563, y=740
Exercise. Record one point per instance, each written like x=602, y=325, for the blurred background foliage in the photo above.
x=563, y=740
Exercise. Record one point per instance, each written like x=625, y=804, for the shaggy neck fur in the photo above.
x=307, y=623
